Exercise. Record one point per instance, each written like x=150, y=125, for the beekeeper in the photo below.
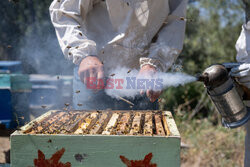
x=242, y=72
x=99, y=36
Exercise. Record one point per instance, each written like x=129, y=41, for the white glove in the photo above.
x=242, y=74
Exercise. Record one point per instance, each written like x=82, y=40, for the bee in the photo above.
x=129, y=71
x=58, y=0
x=78, y=26
x=79, y=104
x=112, y=75
x=80, y=34
x=16, y=1
x=9, y=46
x=68, y=47
x=43, y=107
x=78, y=91
x=77, y=47
x=183, y=19
x=70, y=53
x=57, y=77
x=66, y=104
x=21, y=117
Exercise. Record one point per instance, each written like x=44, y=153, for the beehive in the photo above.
x=14, y=99
x=98, y=139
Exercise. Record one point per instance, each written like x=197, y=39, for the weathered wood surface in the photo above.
x=111, y=124
x=101, y=122
x=158, y=125
x=136, y=125
x=87, y=123
x=171, y=124
x=123, y=126
x=148, y=125
x=103, y=151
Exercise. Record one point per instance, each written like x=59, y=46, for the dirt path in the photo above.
x=4, y=146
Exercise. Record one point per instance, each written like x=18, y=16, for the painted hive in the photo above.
x=98, y=139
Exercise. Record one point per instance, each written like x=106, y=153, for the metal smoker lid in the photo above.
x=214, y=76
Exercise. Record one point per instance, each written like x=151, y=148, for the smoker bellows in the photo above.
x=98, y=138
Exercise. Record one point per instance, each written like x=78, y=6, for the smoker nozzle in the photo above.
x=213, y=76
x=202, y=77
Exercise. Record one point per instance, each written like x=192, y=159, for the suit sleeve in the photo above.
x=169, y=44
x=243, y=44
x=68, y=17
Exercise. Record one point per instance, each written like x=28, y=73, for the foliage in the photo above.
x=211, y=33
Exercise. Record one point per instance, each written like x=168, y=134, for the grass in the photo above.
x=211, y=146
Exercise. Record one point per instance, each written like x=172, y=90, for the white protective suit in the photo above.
x=243, y=55
x=120, y=32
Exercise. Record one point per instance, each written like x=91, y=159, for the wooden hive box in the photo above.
x=98, y=139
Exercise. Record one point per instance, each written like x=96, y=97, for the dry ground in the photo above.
x=211, y=146
x=4, y=145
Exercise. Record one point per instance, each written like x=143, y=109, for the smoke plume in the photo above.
x=133, y=83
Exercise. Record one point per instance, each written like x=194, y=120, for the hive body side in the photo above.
x=101, y=150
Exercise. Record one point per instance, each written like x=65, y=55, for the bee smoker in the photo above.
x=226, y=94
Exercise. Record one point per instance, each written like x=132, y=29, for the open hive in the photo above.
x=146, y=123
x=98, y=138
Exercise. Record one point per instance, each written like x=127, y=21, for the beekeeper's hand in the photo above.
x=242, y=74
x=92, y=67
x=149, y=71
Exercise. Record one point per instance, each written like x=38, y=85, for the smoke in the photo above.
x=40, y=53
x=132, y=84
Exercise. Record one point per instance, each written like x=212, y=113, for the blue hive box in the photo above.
x=10, y=67
x=14, y=99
